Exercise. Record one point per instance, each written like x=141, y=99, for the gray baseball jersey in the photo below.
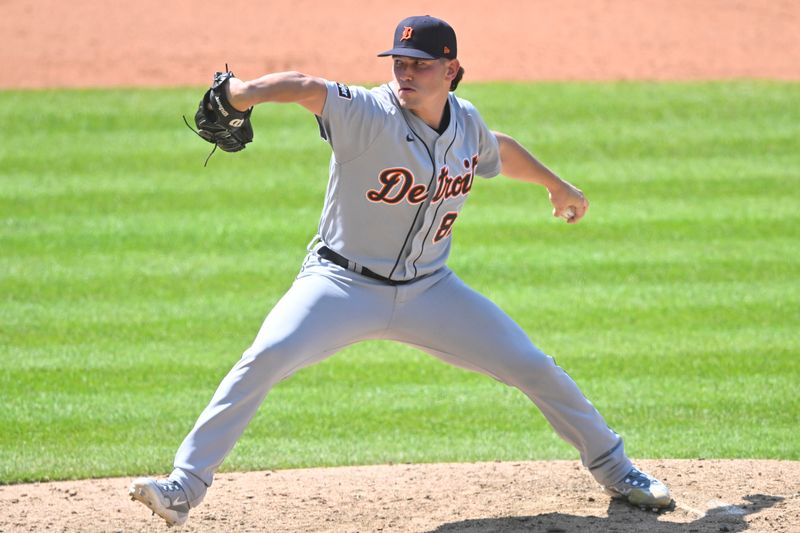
x=396, y=188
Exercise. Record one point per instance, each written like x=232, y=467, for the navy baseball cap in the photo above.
x=423, y=37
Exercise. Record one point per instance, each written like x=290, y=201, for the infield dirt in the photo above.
x=537, y=496
x=84, y=43
x=87, y=43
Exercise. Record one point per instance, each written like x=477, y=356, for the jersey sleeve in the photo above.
x=489, y=163
x=351, y=119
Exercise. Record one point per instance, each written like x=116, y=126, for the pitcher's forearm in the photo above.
x=518, y=163
x=279, y=87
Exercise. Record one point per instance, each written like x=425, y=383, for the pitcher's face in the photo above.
x=422, y=82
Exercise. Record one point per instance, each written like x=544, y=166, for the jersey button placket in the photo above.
x=422, y=238
x=418, y=242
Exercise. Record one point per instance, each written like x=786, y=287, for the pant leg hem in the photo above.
x=194, y=487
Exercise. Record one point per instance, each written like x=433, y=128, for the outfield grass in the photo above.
x=131, y=279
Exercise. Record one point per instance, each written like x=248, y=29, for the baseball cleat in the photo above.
x=641, y=490
x=165, y=498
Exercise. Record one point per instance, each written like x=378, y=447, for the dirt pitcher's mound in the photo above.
x=545, y=496
x=85, y=43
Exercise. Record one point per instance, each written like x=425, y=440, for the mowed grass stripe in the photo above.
x=129, y=272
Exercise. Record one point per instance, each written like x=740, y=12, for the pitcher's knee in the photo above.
x=274, y=357
x=530, y=366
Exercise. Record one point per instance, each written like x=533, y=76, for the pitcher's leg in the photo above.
x=313, y=320
x=462, y=327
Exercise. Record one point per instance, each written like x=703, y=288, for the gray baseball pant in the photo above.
x=329, y=307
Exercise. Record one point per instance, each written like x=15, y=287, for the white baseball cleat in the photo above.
x=165, y=498
x=642, y=490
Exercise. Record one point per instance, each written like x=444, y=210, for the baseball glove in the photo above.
x=218, y=122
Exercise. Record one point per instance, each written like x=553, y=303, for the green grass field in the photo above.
x=132, y=278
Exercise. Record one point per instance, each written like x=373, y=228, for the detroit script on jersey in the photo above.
x=396, y=186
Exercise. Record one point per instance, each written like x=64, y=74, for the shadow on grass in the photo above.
x=621, y=518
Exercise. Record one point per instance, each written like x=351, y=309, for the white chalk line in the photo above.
x=723, y=507
x=690, y=510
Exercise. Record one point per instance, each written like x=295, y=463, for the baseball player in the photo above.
x=405, y=157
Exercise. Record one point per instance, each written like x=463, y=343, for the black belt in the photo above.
x=326, y=253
